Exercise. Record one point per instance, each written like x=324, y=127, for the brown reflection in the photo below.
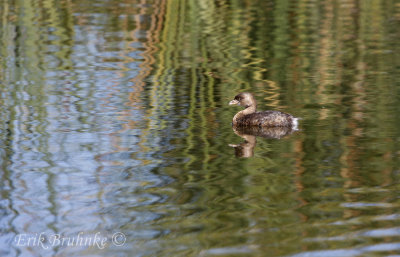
x=249, y=134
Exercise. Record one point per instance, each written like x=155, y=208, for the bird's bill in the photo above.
x=234, y=102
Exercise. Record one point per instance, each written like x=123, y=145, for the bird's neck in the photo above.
x=247, y=111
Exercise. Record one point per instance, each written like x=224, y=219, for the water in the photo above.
x=114, y=119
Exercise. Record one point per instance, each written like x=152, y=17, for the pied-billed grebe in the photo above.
x=249, y=116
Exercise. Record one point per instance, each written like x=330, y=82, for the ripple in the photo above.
x=114, y=118
x=364, y=205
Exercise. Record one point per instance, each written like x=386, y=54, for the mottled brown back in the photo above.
x=266, y=119
x=266, y=132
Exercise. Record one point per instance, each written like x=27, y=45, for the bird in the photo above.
x=250, y=117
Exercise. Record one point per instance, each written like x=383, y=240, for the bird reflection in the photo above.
x=249, y=134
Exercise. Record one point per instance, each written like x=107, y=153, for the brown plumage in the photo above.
x=249, y=116
x=266, y=132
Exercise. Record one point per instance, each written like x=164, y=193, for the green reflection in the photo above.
x=115, y=117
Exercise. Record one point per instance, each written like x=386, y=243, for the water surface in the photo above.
x=114, y=118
